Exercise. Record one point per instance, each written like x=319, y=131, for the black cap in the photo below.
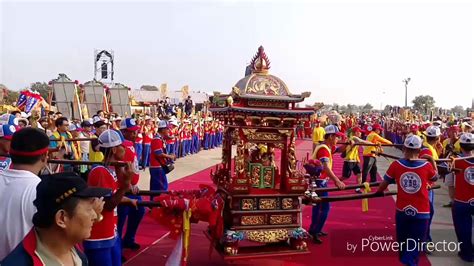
x=54, y=189
x=86, y=123
x=99, y=123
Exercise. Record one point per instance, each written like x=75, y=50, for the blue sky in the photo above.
x=342, y=52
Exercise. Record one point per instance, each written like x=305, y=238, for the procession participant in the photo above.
x=207, y=134
x=212, y=135
x=116, y=122
x=201, y=134
x=42, y=123
x=86, y=133
x=300, y=130
x=66, y=210
x=76, y=132
x=186, y=138
x=95, y=155
x=466, y=127
x=370, y=159
x=451, y=146
x=413, y=206
x=221, y=132
x=188, y=106
x=216, y=128
x=101, y=114
x=195, y=137
x=307, y=129
x=147, y=137
x=463, y=205
x=351, y=159
x=103, y=245
x=318, y=133
x=159, y=158
x=179, y=137
x=428, y=149
x=172, y=138
x=6, y=133
x=323, y=152
x=28, y=154
x=139, y=142
x=414, y=129
x=129, y=130
x=190, y=136
x=62, y=148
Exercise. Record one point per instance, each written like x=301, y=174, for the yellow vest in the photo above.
x=62, y=143
x=318, y=134
x=95, y=156
x=457, y=145
x=323, y=146
x=432, y=150
x=376, y=139
x=352, y=154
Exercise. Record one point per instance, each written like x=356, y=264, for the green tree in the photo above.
x=343, y=109
x=458, y=109
x=42, y=88
x=149, y=88
x=367, y=107
x=352, y=108
x=423, y=103
x=9, y=96
x=387, y=108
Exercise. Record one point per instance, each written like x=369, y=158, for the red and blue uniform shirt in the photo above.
x=464, y=181
x=412, y=179
x=99, y=176
x=131, y=156
x=425, y=151
x=157, y=147
x=147, y=134
x=323, y=155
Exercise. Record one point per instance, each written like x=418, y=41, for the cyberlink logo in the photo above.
x=388, y=244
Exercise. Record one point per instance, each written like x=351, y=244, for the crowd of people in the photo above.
x=91, y=198
x=422, y=144
x=94, y=199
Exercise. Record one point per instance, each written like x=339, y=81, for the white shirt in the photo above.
x=17, y=193
x=84, y=144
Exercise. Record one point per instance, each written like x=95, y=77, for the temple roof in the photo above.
x=288, y=112
x=262, y=85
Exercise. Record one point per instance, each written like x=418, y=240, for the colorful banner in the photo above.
x=21, y=102
x=32, y=102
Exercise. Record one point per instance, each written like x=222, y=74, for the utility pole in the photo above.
x=406, y=90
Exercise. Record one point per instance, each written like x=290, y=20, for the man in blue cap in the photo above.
x=159, y=159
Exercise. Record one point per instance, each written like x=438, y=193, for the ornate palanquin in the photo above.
x=259, y=179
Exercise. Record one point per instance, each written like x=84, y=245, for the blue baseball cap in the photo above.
x=129, y=124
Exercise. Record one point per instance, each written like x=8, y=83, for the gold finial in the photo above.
x=260, y=62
